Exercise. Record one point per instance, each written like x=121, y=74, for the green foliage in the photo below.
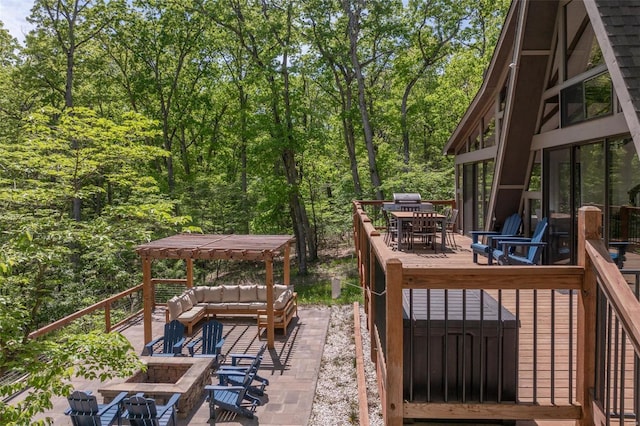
x=210, y=116
x=320, y=293
x=48, y=365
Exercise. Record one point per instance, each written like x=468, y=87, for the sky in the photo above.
x=13, y=14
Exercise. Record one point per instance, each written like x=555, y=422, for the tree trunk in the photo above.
x=354, y=30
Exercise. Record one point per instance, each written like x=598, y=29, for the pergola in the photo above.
x=210, y=247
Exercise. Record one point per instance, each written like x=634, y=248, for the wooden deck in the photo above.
x=547, y=337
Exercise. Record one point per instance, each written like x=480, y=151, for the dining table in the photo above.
x=406, y=217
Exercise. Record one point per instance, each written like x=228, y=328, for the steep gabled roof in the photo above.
x=616, y=24
x=502, y=56
x=617, y=27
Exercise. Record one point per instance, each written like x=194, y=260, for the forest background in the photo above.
x=125, y=121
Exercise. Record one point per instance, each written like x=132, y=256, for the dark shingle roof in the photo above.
x=621, y=21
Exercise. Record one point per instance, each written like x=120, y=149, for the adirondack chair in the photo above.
x=84, y=409
x=533, y=247
x=234, y=374
x=211, y=341
x=236, y=358
x=172, y=341
x=236, y=399
x=141, y=411
x=618, y=256
x=509, y=228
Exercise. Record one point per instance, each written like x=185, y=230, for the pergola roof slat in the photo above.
x=213, y=246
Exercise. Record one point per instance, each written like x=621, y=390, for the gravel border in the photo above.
x=336, y=397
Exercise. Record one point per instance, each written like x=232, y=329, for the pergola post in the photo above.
x=189, y=265
x=287, y=267
x=147, y=298
x=269, y=275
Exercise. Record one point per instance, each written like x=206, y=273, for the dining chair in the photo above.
x=425, y=226
x=452, y=217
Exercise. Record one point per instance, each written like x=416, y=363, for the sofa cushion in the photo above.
x=199, y=292
x=262, y=293
x=278, y=289
x=258, y=305
x=248, y=293
x=230, y=293
x=213, y=294
x=216, y=306
x=192, y=296
x=192, y=313
x=240, y=306
x=175, y=307
x=185, y=301
x=282, y=300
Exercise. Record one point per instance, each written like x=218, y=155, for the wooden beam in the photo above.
x=486, y=411
x=189, y=265
x=495, y=277
x=363, y=419
x=147, y=298
x=270, y=331
x=394, y=346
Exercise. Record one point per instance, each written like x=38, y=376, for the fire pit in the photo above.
x=164, y=377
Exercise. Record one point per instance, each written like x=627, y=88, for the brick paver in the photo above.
x=291, y=367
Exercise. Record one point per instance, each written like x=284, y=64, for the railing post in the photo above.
x=371, y=310
x=107, y=317
x=589, y=228
x=148, y=298
x=394, y=357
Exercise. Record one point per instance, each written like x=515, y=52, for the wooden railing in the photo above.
x=556, y=341
x=132, y=297
x=105, y=305
x=615, y=313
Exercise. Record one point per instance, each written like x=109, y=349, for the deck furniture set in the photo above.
x=240, y=389
x=201, y=302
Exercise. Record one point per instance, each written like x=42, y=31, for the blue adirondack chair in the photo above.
x=509, y=228
x=211, y=341
x=141, y=411
x=234, y=374
x=172, y=341
x=618, y=256
x=84, y=409
x=236, y=399
x=506, y=255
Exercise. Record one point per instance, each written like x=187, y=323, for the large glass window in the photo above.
x=587, y=99
x=605, y=174
x=558, y=194
x=589, y=176
x=478, y=178
x=582, y=51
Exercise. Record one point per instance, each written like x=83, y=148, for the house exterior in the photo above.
x=555, y=125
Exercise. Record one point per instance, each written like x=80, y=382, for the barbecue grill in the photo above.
x=406, y=198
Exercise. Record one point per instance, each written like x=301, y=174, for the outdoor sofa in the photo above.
x=201, y=302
